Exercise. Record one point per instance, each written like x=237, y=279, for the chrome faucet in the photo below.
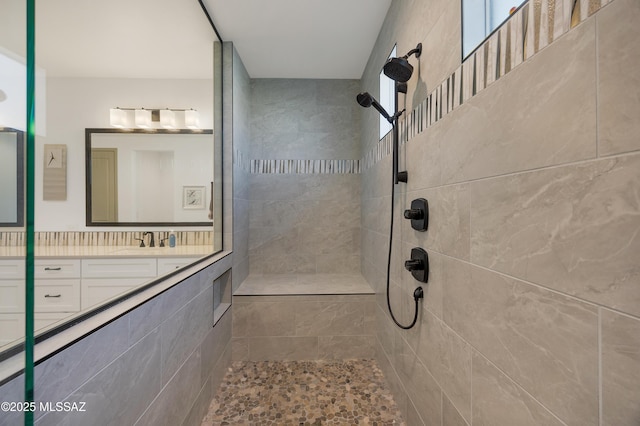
x=152, y=243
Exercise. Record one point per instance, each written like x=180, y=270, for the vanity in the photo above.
x=75, y=278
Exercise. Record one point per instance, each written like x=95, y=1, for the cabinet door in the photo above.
x=57, y=268
x=119, y=268
x=11, y=269
x=57, y=296
x=11, y=296
x=11, y=328
x=96, y=291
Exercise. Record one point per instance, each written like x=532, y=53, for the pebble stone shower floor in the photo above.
x=350, y=392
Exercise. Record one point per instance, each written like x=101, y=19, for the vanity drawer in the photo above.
x=57, y=296
x=57, y=268
x=11, y=296
x=168, y=264
x=119, y=268
x=11, y=269
x=97, y=291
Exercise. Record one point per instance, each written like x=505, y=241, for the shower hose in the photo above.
x=418, y=293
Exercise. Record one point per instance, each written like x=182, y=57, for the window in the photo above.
x=480, y=18
x=387, y=97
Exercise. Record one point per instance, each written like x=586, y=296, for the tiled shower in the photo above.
x=527, y=154
x=532, y=311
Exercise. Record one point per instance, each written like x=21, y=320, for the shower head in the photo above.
x=399, y=69
x=366, y=100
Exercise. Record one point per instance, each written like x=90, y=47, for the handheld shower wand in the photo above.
x=366, y=100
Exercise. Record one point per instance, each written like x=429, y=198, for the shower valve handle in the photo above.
x=414, y=214
x=414, y=265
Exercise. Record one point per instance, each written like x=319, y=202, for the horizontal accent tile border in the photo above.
x=106, y=238
x=534, y=26
x=295, y=166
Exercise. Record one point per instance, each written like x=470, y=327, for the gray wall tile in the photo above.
x=507, y=134
x=346, y=347
x=620, y=369
x=173, y=403
x=574, y=229
x=137, y=372
x=450, y=416
x=13, y=391
x=283, y=348
x=422, y=389
x=497, y=400
x=447, y=357
x=85, y=359
x=521, y=327
x=263, y=319
x=185, y=330
x=329, y=318
x=214, y=345
x=618, y=55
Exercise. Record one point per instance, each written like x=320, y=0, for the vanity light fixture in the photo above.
x=146, y=117
x=143, y=118
x=192, y=119
x=118, y=117
x=167, y=118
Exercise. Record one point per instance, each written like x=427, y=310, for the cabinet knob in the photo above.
x=53, y=269
x=52, y=295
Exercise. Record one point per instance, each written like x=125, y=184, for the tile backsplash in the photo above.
x=103, y=238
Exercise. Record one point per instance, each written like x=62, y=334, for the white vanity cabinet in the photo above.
x=57, y=285
x=56, y=294
x=67, y=285
x=105, y=278
x=11, y=300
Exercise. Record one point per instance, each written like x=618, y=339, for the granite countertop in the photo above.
x=107, y=251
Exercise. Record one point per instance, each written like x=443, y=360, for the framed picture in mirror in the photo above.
x=193, y=197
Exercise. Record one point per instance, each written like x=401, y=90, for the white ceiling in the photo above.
x=301, y=38
x=173, y=38
x=124, y=38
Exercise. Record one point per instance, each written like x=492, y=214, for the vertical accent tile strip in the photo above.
x=516, y=40
x=461, y=84
x=474, y=76
x=575, y=13
x=507, y=48
x=551, y=20
x=584, y=9
x=537, y=10
x=498, y=55
x=544, y=24
x=480, y=75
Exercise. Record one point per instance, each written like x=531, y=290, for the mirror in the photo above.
x=92, y=57
x=140, y=178
x=11, y=177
